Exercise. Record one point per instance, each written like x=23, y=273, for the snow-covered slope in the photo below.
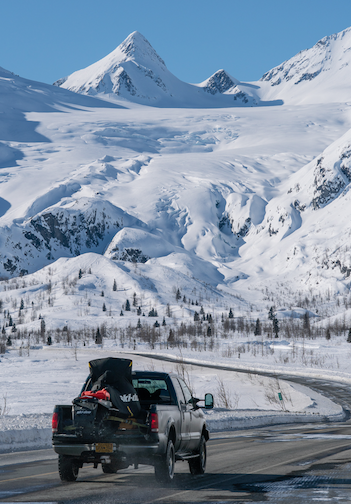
x=220, y=201
x=135, y=72
x=321, y=74
x=306, y=228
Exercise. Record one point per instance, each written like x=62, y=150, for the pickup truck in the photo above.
x=155, y=420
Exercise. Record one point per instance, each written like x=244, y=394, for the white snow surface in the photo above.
x=32, y=384
x=234, y=194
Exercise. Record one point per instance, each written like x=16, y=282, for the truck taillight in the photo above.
x=54, y=422
x=154, y=422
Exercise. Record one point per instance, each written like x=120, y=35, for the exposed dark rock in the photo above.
x=219, y=82
x=245, y=228
x=11, y=265
x=129, y=254
x=328, y=183
x=126, y=81
x=241, y=96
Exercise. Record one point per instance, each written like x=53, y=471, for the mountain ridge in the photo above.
x=135, y=72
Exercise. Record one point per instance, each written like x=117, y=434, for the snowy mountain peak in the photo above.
x=219, y=82
x=137, y=47
x=314, y=75
x=135, y=72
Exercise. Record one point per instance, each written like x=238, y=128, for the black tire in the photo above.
x=198, y=465
x=68, y=468
x=109, y=468
x=164, y=468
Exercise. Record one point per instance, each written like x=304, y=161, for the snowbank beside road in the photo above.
x=321, y=408
x=34, y=384
x=25, y=432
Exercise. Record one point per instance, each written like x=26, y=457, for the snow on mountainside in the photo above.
x=305, y=231
x=134, y=71
x=321, y=74
x=237, y=206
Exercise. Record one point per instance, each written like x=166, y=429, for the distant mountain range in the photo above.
x=238, y=191
x=135, y=72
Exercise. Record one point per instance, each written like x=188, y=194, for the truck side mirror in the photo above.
x=208, y=401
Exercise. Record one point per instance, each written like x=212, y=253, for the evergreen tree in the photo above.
x=156, y=324
x=276, y=327
x=178, y=295
x=196, y=317
x=209, y=330
x=104, y=307
x=22, y=305
x=42, y=328
x=139, y=311
x=349, y=336
x=231, y=314
x=114, y=287
x=171, y=337
x=271, y=313
x=134, y=299
x=139, y=324
x=202, y=311
x=121, y=314
x=102, y=294
x=80, y=274
x=164, y=321
x=49, y=340
x=327, y=334
x=306, y=323
x=98, y=337
x=127, y=305
x=258, y=328
x=9, y=341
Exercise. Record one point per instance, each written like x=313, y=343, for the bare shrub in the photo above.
x=223, y=395
x=4, y=409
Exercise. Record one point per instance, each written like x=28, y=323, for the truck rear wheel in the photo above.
x=198, y=465
x=164, y=468
x=68, y=468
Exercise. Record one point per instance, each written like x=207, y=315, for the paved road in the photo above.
x=279, y=464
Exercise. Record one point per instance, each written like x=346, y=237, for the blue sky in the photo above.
x=45, y=40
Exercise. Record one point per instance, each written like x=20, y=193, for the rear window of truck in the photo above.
x=153, y=390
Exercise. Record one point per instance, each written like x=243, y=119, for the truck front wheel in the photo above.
x=164, y=467
x=198, y=465
x=68, y=468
